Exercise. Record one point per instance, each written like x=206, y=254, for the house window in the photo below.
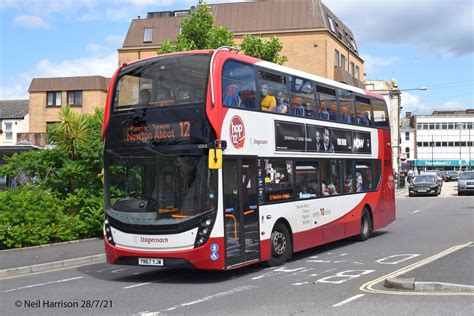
x=343, y=61
x=148, y=36
x=74, y=98
x=332, y=27
x=351, y=69
x=407, y=150
x=357, y=74
x=407, y=135
x=8, y=131
x=54, y=98
x=336, y=58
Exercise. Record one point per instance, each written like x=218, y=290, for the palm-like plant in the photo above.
x=71, y=131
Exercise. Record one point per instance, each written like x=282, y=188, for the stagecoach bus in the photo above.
x=216, y=160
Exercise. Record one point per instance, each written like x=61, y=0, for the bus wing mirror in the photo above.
x=215, y=158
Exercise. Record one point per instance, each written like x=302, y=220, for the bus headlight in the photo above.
x=108, y=232
x=204, y=230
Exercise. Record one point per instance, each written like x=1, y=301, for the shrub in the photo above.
x=32, y=216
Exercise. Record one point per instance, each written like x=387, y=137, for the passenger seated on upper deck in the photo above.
x=323, y=112
x=344, y=117
x=353, y=117
x=268, y=100
x=248, y=99
x=231, y=96
x=308, y=109
x=363, y=118
x=296, y=107
x=282, y=106
x=332, y=112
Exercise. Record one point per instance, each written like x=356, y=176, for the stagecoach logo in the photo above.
x=149, y=240
x=237, y=132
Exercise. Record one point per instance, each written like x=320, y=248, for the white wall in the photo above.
x=18, y=126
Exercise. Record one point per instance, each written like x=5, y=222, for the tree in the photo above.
x=71, y=131
x=198, y=31
x=269, y=50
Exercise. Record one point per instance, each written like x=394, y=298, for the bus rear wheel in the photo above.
x=366, y=225
x=280, y=243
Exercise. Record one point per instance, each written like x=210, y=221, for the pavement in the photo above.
x=433, y=275
x=27, y=260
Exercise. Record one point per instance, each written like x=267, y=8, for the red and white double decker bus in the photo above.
x=216, y=160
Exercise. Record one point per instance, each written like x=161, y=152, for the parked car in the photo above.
x=435, y=173
x=425, y=185
x=443, y=174
x=466, y=182
x=452, y=176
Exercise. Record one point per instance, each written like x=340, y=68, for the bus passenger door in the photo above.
x=241, y=210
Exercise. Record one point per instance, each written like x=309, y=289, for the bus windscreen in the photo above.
x=163, y=82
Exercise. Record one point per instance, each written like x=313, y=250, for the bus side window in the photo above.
x=238, y=84
x=278, y=179
x=347, y=113
x=380, y=113
x=364, y=112
x=271, y=87
x=327, y=104
x=307, y=180
x=302, y=96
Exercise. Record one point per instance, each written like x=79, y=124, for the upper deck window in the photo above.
x=327, y=108
x=347, y=112
x=273, y=92
x=380, y=113
x=302, y=97
x=238, y=84
x=165, y=81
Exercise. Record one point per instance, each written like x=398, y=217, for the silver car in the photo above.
x=466, y=182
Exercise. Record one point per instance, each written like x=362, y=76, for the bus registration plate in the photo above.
x=150, y=262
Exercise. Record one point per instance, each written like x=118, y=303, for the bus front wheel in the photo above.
x=365, y=225
x=280, y=242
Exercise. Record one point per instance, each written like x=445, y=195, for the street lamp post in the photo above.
x=460, y=126
x=398, y=93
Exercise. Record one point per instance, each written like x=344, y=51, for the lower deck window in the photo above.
x=278, y=179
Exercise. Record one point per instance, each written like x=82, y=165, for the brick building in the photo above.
x=313, y=38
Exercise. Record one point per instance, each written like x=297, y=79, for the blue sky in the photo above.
x=420, y=43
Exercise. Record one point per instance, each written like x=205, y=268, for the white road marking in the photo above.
x=119, y=270
x=316, y=274
x=405, y=257
x=300, y=283
x=348, y=300
x=41, y=284
x=319, y=261
x=343, y=276
x=135, y=285
x=343, y=254
x=414, y=212
x=200, y=300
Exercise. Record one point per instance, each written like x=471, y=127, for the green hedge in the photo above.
x=32, y=216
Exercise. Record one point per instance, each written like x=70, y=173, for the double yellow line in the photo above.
x=369, y=286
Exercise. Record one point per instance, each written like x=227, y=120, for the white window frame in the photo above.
x=148, y=35
x=8, y=132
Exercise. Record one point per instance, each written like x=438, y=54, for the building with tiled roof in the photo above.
x=48, y=95
x=13, y=120
x=313, y=38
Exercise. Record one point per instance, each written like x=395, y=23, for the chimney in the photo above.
x=407, y=115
